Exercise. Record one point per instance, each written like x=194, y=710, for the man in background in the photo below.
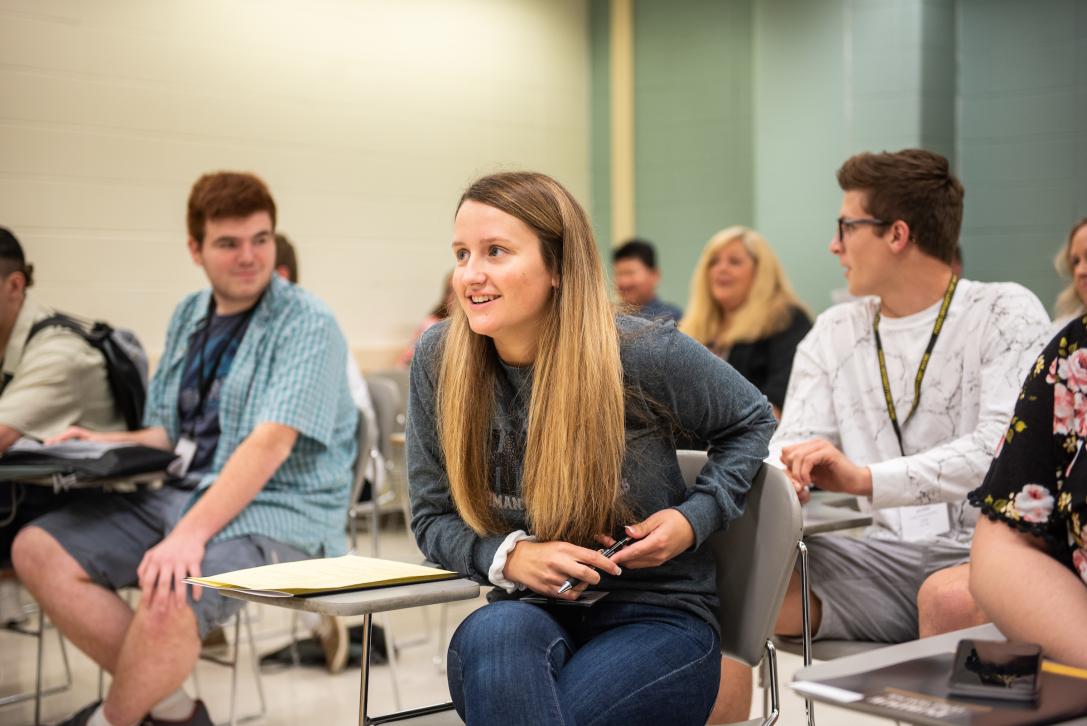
x=49, y=382
x=634, y=265
x=334, y=636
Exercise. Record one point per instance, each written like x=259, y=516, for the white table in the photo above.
x=366, y=603
x=830, y=512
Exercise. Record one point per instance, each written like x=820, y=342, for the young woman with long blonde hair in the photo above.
x=743, y=308
x=540, y=427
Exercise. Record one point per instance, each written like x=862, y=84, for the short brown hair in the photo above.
x=913, y=185
x=226, y=194
x=12, y=258
x=285, y=257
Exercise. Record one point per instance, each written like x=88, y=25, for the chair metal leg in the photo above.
x=805, y=608
x=390, y=654
x=234, y=669
x=771, y=716
x=353, y=529
x=375, y=520
x=254, y=658
x=38, y=670
x=443, y=621
x=40, y=691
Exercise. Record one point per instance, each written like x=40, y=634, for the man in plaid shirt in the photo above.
x=251, y=394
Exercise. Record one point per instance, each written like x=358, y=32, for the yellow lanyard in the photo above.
x=920, y=369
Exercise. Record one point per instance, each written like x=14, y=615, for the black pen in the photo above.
x=607, y=553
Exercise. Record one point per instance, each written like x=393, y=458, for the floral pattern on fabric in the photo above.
x=1038, y=479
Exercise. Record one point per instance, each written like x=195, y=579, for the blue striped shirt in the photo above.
x=290, y=369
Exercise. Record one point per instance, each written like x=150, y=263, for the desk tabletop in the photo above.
x=362, y=602
x=37, y=476
x=830, y=512
x=874, y=659
x=892, y=654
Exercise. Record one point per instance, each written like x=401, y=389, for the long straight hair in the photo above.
x=1068, y=300
x=575, y=443
x=769, y=306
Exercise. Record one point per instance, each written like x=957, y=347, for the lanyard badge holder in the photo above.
x=186, y=446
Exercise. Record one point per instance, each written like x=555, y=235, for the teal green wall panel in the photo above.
x=801, y=137
x=600, y=124
x=744, y=110
x=692, y=128
x=1022, y=137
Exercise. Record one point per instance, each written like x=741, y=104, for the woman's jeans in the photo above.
x=512, y=662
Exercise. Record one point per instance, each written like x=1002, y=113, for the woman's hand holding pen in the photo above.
x=660, y=537
x=543, y=567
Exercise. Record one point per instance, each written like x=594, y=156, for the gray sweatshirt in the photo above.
x=677, y=393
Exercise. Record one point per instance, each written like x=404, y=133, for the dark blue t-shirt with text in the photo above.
x=213, y=350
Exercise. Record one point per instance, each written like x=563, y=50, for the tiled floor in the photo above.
x=307, y=695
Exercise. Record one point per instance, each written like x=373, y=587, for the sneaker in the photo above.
x=199, y=717
x=80, y=717
x=215, y=639
x=333, y=636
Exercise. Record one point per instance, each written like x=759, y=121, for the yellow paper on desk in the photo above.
x=325, y=575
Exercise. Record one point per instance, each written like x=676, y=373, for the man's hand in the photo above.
x=74, y=433
x=543, y=567
x=165, y=567
x=660, y=537
x=819, y=462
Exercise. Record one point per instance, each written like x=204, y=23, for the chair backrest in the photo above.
x=400, y=377
x=367, y=444
x=755, y=556
x=385, y=394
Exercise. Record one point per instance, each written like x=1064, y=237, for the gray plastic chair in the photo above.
x=385, y=395
x=368, y=454
x=755, y=558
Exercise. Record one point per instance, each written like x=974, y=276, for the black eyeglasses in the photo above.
x=848, y=225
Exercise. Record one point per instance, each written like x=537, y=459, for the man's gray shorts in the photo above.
x=868, y=587
x=109, y=534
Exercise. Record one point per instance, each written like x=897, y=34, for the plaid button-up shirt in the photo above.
x=289, y=369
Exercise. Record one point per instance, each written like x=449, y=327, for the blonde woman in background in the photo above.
x=1071, y=261
x=743, y=309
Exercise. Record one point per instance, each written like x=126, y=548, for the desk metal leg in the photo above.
x=364, y=718
x=367, y=623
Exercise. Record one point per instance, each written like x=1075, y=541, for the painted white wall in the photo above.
x=365, y=117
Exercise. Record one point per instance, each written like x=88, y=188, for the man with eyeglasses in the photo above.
x=900, y=397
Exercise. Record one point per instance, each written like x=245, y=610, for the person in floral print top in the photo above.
x=1037, y=486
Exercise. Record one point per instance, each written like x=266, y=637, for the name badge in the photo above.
x=185, y=451
x=925, y=521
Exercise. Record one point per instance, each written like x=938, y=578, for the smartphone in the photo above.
x=996, y=669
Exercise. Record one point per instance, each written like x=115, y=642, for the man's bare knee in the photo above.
x=944, y=602
x=35, y=554
x=165, y=624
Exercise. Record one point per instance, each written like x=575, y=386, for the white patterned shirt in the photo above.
x=992, y=335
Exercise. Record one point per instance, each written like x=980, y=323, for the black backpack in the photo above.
x=126, y=362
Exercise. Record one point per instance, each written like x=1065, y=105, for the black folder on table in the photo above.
x=81, y=461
